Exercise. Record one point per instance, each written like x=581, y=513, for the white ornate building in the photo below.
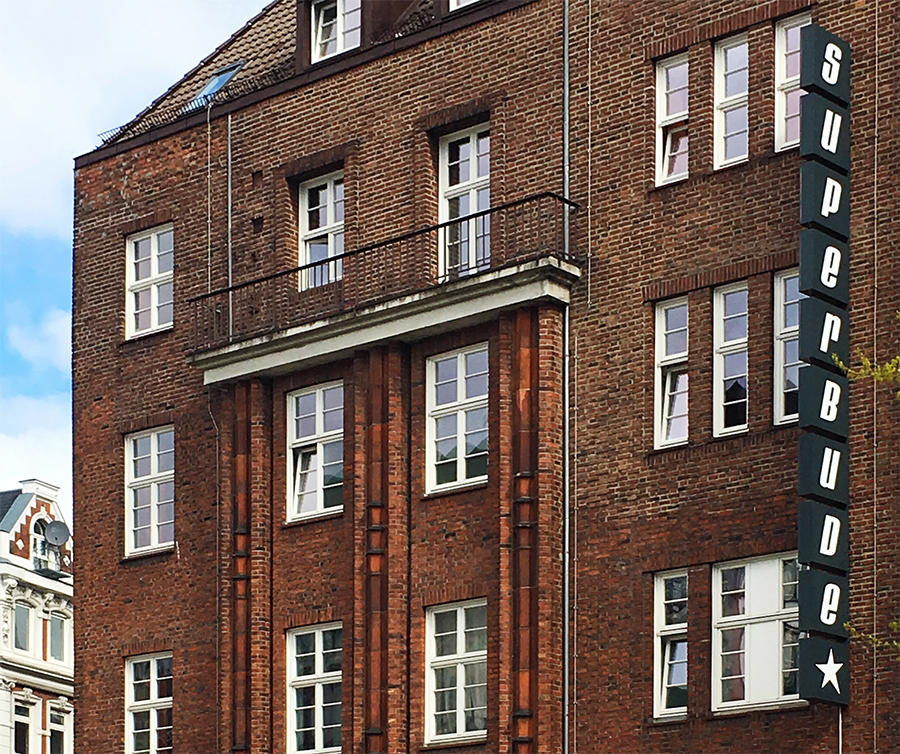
x=36, y=644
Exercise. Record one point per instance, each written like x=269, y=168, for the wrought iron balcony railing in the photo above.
x=508, y=234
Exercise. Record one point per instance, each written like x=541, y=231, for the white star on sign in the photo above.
x=829, y=671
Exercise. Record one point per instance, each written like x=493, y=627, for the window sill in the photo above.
x=464, y=487
x=149, y=552
x=724, y=434
x=676, y=719
x=317, y=516
x=671, y=181
x=787, y=147
x=470, y=740
x=785, y=705
x=145, y=333
x=731, y=164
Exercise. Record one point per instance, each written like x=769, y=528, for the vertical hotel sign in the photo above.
x=823, y=447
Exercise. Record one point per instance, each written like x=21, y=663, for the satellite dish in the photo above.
x=57, y=533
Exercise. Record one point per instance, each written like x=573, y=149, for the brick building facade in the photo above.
x=523, y=481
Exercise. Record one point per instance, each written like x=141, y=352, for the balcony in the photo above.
x=461, y=271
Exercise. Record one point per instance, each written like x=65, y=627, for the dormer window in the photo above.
x=218, y=80
x=40, y=553
x=335, y=27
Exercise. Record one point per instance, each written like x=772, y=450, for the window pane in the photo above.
x=733, y=591
x=677, y=151
x=23, y=615
x=676, y=604
x=142, y=262
x=57, y=637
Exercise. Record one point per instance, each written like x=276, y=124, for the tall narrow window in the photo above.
x=316, y=457
x=57, y=725
x=57, y=648
x=465, y=175
x=148, y=271
x=755, y=631
x=456, y=683
x=730, y=366
x=150, y=490
x=40, y=552
x=787, y=346
x=21, y=729
x=314, y=689
x=731, y=85
x=671, y=373
x=22, y=627
x=335, y=27
x=671, y=644
x=787, y=81
x=457, y=394
x=672, y=119
x=322, y=230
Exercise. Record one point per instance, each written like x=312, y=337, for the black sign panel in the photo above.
x=823, y=332
x=823, y=602
x=824, y=64
x=824, y=407
x=824, y=670
x=823, y=469
x=823, y=535
x=825, y=199
x=824, y=267
x=825, y=131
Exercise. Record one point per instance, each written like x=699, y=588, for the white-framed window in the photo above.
x=457, y=426
x=456, y=672
x=454, y=4
x=22, y=732
x=731, y=128
x=322, y=230
x=672, y=119
x=335, y=27
x=23, y=620
x=787, y=81
x=465, y=177
x=755, y=631
x=730, y=362
x=40, y=551
x=149, y=264
x=315, y=451
x=314, y=659
x=149, y=490
x=148, y=704
x=671, y=406
x=787, y=346
x=59, y=727
x=671, y=651
x=57, y=637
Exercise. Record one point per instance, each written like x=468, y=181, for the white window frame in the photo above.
x=40, y=551
x=784, y=84
x=153, y=480
x=330, y=269
x=315, y=443
x=343, y=27
x=317, y=680
x=459, y=660
x=667, y=634
x=670, y=367
x=157, y=282
x=785, y=334
x=65, y=727
x=763, y=620
x=456, y=4
x=151, y=705
x=33, y=727
x=726, y=104
x=460, y=408
x=66, y=621
x=668, y=125
x=28, y=610
x=723, y=349
x=476, y=190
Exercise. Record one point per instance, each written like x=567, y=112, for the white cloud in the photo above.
x=36, y=443
x=47, y=344
x=75, y=68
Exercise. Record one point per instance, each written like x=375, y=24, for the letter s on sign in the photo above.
x=831, y=68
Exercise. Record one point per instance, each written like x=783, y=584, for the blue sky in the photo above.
x=71, y=69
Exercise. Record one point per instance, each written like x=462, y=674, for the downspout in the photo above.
x=230, y=281
x=566, y=400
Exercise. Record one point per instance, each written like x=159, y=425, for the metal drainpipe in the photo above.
x=566, y=402
x=230, y=292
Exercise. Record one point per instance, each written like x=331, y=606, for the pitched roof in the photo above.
x=12, y=503
x=7, y=498
x=265, y=45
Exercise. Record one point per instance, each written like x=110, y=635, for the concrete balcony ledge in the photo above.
x=462, y=303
